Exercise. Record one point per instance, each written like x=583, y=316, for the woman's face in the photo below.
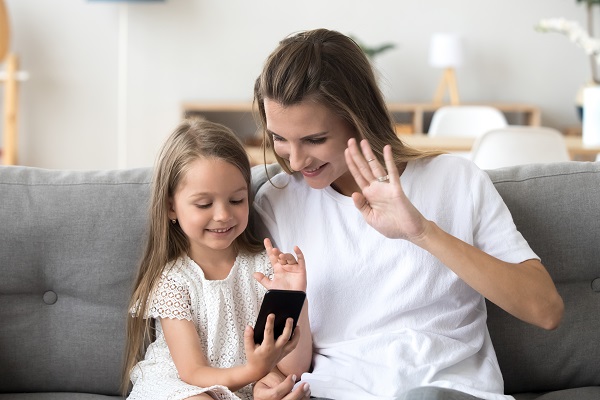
x=313, y=139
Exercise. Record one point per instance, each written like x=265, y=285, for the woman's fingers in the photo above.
x=392, y=169
x=377, y=171
x=364, y=165
x=352, y=154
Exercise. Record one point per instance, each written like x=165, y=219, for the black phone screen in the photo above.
x=284, y=304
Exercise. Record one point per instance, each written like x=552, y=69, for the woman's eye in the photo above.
x=278, y=138
x=316, y=141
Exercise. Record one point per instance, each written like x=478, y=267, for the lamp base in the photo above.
x=448, y=82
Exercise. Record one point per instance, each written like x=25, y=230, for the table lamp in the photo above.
x=445, y=52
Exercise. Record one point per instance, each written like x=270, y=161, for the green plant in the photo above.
x=372, y=51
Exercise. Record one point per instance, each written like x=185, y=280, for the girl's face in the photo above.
x=211, y=206
x=313, y=139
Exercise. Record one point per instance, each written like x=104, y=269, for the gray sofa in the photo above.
x=70, y=241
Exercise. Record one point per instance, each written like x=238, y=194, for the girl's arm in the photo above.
x=290, y=274
x=194, y=369
x=525, y=289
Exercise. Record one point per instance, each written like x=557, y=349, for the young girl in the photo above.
x=197, y=288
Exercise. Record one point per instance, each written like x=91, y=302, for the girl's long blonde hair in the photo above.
x=331, y=69
x=191, y=140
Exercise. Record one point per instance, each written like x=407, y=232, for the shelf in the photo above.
x=409, y=117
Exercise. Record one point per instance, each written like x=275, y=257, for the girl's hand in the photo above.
x=263, y=358
x=289, y=272
x=382, y=202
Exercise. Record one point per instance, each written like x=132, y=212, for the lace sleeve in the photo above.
x=170, y=299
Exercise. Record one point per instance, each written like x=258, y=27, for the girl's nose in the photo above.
x=222, y=212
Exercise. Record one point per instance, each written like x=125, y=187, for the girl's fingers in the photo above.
x=268, y=245
x=299, y=254
x=268, y=336
x=287, y=258
x=262, y=279
x=286, y=335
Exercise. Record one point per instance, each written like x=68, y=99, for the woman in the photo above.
x=402, y=246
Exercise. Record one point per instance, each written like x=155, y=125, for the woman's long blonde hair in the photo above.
x=331, y=69
x=191, y=140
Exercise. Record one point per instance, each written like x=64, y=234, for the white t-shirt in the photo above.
x=387, y=316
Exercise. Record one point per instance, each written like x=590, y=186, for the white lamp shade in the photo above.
x=445, y=51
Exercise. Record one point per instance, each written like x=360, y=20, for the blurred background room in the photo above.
x=102, y=83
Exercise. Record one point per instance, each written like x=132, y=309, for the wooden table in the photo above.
x=577, y=151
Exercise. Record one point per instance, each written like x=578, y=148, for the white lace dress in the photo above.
x=220, y=309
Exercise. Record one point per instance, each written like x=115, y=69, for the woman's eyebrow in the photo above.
x=311, y=136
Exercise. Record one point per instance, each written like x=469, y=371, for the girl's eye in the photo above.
x=204, y=205
x=237, y=201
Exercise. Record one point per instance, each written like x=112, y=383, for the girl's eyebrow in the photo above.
x=200, y=194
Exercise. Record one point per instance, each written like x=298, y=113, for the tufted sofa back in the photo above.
x=557, y=209
x=69, y=245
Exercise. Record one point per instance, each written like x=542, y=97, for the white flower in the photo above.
x=574, y=32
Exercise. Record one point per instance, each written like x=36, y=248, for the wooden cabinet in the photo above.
x=416, y=117
x=409, y=117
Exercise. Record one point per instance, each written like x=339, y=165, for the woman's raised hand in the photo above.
x=382, y=201
x=289, y=272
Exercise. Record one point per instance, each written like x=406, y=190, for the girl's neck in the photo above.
x=215, y=264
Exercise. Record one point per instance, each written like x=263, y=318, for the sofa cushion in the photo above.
x=557, y=209
x=67, y=243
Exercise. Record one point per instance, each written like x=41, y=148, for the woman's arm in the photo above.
x=525, y=290
x=193, y=367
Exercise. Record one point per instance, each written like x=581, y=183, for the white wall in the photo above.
x=212, y=50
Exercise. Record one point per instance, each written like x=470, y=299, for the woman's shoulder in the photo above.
x=446, y=165
x=279, y=184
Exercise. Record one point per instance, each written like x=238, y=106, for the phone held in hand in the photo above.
x=284, y=304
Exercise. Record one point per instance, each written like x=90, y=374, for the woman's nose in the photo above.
x=297, y=159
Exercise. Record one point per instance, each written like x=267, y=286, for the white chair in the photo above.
x=470, y=121
x=516, y=145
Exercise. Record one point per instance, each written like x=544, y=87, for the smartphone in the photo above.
x=284, y=304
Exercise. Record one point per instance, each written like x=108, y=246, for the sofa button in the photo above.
x=596, y=285
x=50, y=297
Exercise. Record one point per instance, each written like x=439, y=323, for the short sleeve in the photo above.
x=170, y=299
